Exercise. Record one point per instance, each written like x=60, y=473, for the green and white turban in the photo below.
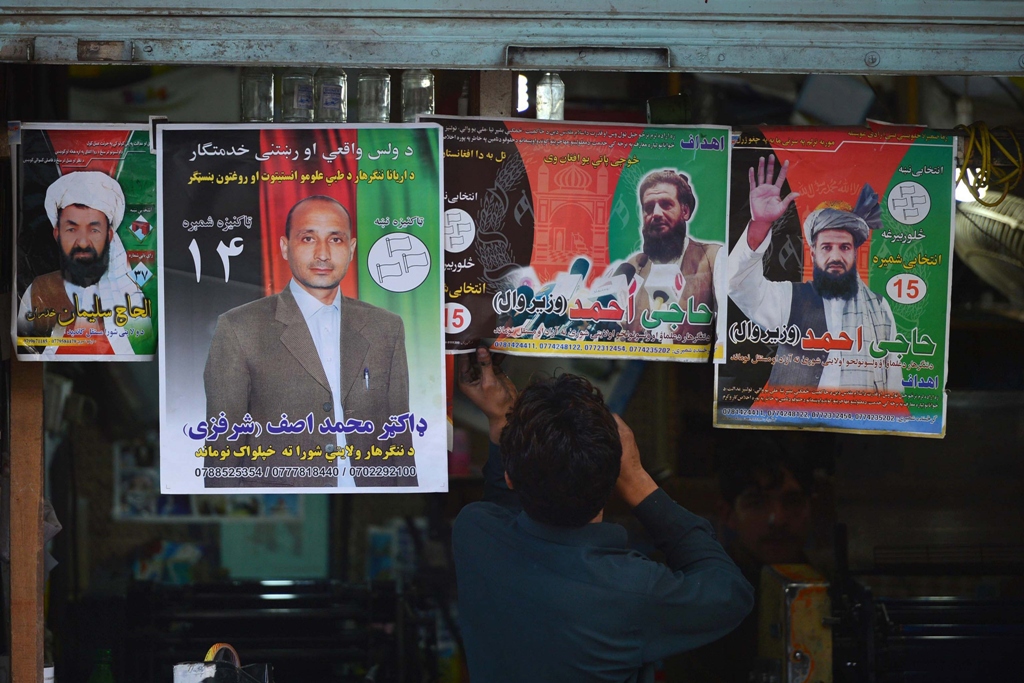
x=858, y=221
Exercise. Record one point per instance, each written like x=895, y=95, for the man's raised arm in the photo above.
x=493, y=393
x=701, y=595
x=766, y=303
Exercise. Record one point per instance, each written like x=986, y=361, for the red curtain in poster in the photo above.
x=839, y=175
x=277, y=198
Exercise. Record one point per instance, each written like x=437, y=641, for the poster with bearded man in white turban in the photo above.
x=86, y=252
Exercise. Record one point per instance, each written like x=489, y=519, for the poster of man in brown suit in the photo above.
x=293, y=361
x=324, y=372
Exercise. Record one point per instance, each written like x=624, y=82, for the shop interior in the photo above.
x=922, y=540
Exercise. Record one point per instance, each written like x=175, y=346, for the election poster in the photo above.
x=840, y=257
x=85, y=260
x=302, y=272
x=577, y=239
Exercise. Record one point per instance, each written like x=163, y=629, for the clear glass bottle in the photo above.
x=373, y=96
x=550, y=97
x=257, y=94
x=297, y=104
x=417, y=93
x=102, y=671
x=330, y=88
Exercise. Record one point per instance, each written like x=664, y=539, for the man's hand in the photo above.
x=633, y=484
x=766, y=202
x=492, y=393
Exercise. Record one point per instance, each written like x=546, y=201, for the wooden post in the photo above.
x=26, y=516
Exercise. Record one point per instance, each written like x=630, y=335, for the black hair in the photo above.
x=315, y=198
x=748, y=459
x=561, y=450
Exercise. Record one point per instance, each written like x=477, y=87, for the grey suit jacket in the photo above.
x=263, y=362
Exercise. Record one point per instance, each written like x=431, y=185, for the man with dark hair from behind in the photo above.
x=563, y=416
x=548, y=591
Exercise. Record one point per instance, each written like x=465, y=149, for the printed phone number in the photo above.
x=812, y=414
x=279, y=472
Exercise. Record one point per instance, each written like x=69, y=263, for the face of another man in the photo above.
x=319, y=248
x=772, y=519
x=664, y=222
x=82, y=232
x=662, y=211
x=834, y=252
x=84, y=235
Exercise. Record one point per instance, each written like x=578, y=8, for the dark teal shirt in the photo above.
x=542, y=603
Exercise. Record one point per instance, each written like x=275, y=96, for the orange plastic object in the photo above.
x=222, y=652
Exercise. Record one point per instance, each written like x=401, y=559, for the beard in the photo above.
x=663, y=248
x=831, y=286
x=87, y=271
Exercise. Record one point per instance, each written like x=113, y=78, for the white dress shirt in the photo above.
x=324, y=324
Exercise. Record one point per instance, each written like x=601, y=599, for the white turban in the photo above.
x=90, y=188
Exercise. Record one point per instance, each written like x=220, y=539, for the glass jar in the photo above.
x=417, y=93
x=330, y=88
x=257, y=95
x=373, y=96
x=297, y=103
